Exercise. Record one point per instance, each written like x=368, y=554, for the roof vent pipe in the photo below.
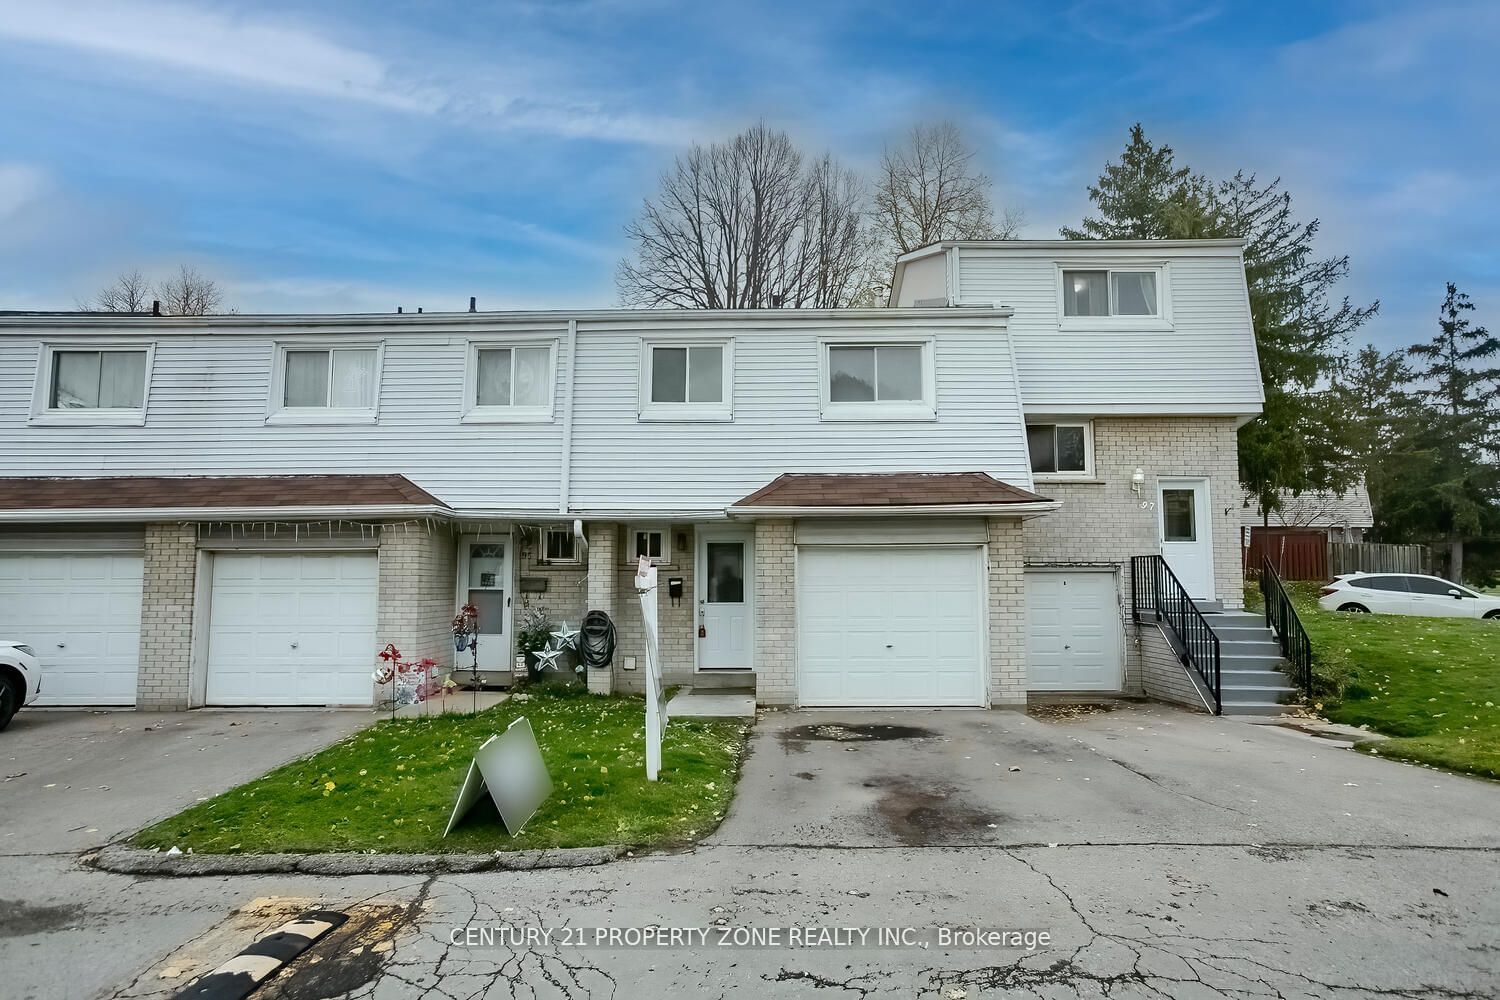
x=156, y=307
x=473, y=304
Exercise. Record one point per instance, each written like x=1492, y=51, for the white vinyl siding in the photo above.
x=1204, y=363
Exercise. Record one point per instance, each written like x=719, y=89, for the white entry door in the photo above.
x=292, y=629
x=484, y=581
x=1072, y=631
x=724, y=571
x=890, y=625
x=1187, y=533
x=82, y=614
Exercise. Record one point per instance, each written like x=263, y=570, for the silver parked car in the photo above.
x=1406, y=594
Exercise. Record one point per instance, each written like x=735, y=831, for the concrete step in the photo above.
x=1251, y=678
x=1266, y=646
x=1254, y=708
x=1242, y=633
x=1235, y=619
x=1209, y=607
x=1256, y=694
x=1260, y=661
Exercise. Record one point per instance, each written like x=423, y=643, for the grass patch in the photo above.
x=1432, y=684
x=391, y=786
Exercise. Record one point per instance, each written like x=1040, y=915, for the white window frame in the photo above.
x=923, y=409
x=473, y=413
x=42, y=410
x=277, y=412
x=1161, y=321
x=723, y=410
x=561, y=530
x=665, y=530
x=1088, y=449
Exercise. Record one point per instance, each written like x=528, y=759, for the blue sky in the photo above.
x=343, y=156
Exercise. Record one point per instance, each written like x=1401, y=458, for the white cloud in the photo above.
x=21, y=186
x=297, y=59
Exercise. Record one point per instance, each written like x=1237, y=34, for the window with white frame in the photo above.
x=91, y=380
x=878, y=380
x=510, y=382
x=1111, y=292
x=559, y=545
x=653, y=543
x=1060, y=449
x=337, y=383
x=686, y=380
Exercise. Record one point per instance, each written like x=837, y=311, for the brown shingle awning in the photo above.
x=941, y=492
x=186, y=495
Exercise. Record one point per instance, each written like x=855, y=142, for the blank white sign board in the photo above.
x=510, y=766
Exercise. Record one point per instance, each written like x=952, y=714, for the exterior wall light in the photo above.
x=1137, y=480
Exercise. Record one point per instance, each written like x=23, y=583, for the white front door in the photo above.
x=1072, y=631
x=1187, y=533
x=724, y=571
x=291, y=628
x=82, y=615
x=484, y=581
x=890, y=625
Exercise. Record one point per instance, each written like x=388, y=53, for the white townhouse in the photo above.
x=935, y=503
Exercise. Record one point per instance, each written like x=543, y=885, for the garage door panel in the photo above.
x=289, y=629
x=1073, y=631
x=892, y=625
x=82, y=613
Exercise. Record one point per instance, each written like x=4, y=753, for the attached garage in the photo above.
x=1073, y=631
x=292, y=628
x=897, y=625
x=81, y=611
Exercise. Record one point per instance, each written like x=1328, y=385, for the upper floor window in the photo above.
x=327, y=385
x=686, y=381
x=1060, y=449
x=510, y=382
x=1110, y=293
x=93, y=385
x=878, y=381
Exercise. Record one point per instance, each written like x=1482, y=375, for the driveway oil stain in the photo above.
x=795, y=740
x=346, y=958
x=922, y=815
x=18, y=919
x=805, y=775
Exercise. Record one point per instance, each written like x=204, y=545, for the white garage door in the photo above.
x=1073, y=632
x=890, y=625
x=82, y=614
x=292, y=629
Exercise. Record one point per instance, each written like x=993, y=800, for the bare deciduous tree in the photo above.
x=745, y=225
x=929, y=191
x=130, y=292
x=188, y=293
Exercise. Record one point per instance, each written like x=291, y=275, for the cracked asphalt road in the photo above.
x=1166, y=854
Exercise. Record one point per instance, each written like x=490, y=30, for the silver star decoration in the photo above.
x=565, y=638
x=546, y=659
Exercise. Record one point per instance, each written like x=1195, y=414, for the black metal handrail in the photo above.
x=1281, y=618
x=1156, y=592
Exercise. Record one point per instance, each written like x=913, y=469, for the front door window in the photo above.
x=726, y=572
x=487, y=585
x=1179, y=516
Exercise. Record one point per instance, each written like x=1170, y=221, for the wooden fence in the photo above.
x=1295, y=553
x=1374, y=557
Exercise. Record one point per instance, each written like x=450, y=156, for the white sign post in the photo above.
x=656, y=705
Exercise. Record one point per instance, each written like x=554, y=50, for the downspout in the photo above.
x=565, y=462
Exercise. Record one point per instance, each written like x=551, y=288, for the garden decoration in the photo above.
x=410, y=680
x=466, y=637
x=511, y=768
x=546, y=659
x=567, y=638
x=534, y=633
x=656, y=704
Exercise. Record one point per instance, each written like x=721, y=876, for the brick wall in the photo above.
x=1163, y=675
x=418, y=573
x=1005, y=558
x=1103, y=522
x=677, y=625
x=566, y=596
x=775, y=613
x=169, y=583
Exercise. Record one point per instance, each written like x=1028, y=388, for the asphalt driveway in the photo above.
x=1165, y=855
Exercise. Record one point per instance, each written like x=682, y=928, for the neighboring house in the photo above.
x=1346, y=517
x=922, y=505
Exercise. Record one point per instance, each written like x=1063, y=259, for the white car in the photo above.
x=1406, y=594
x=20, y=678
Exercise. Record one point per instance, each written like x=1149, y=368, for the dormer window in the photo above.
x=1120, y=292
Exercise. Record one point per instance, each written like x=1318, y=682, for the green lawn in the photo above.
x=1433, y=684
x=390, y=787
